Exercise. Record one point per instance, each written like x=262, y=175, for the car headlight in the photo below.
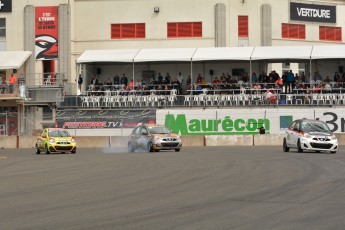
x=333, y=137
x=178, y=138
x=156, y=138
x=307, y=135
x=73, y=140
x=51, y=140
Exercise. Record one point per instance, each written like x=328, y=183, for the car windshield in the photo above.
x=58, y=133
x=315, y=127
x=159, y=129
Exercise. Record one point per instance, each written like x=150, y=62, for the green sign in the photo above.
x=180, y=125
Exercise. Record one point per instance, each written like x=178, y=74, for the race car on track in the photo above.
x=153, y=137
x=55, y=140
x=307, y=134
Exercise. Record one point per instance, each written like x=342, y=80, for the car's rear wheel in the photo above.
x=37, y=150
x=177, y=150
x=47, y=150
x=130, y=147
x=299, y=148
x=285, y=148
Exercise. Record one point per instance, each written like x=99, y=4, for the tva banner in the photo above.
x=46, y=32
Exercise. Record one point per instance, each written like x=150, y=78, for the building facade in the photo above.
x=82, y=25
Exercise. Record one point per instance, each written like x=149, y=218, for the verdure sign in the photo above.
x=313, y=13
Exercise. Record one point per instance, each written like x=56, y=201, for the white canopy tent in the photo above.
x=13, y=59
x=118, y=55
x=328, y=52
x=223, y=53
x=269, y=54
x=281, y=53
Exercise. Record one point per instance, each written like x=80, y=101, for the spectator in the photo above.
x=80, y=81
x=167, y=78
x=290, y=82
x=262, y=130
x=12, y=82
x=199, y=79
x=254, y=78
x=116, y=80
x=160, y=78
x=124, y=80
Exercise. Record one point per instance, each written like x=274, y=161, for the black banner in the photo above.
x=313, y=12
x=5, y=6
x=102, y=119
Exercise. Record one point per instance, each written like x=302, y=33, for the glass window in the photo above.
x=2, y=28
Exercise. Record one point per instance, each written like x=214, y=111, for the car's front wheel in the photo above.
x=177, y=150
x=37, y=150
x=130, y=147
x=333, y=152
x=149, y=147
x=285, y=148
x=47, y=150
x=299, y=147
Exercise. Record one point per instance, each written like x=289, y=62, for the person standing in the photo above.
x=124, y=80
x=290, y=81
x=80, y=82
x=12, y=81
x=180, y=79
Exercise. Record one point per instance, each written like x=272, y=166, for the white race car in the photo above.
x=306, y=134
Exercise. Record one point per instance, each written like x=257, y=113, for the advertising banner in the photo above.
x=201, y=122
x=46, y=32
x=103, y=119
x=313, y=12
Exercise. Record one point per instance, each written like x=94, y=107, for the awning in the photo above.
x=281, y=53
x=13, y=59
x=118, y=55
x=328, y=52
x=163, y=55
x=223, y=53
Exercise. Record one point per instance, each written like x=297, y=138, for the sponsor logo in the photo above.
x=181, y=125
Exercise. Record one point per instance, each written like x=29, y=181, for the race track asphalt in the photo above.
x=197, y=188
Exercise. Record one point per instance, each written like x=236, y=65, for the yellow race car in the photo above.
x=55, y=140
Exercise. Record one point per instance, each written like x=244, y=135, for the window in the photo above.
x=2, y=34
x=295, y=31
x=131, y=30
x=243, y=26
x=184, y=29
x=327, y=33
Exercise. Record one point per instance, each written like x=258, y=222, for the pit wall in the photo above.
x=10, y=142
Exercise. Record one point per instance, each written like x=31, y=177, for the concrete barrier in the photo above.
x=92, y=142
x=229, y=140
x=27, y=141
x=192, y=140
x=341, y=138
x=118, y=141
x=8, y=142
x=268, y=139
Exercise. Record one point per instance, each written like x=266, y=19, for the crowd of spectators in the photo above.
x=288, y=83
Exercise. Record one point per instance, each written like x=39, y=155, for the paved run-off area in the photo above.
x=197, y=188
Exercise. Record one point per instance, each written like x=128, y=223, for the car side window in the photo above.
x=136, y=130
x=298, y=126
x=292, y=126
x=144, y=131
